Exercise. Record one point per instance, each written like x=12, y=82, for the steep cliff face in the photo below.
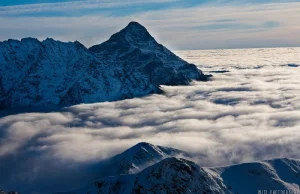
x=130, y=64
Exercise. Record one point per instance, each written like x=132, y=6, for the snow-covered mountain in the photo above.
x=178, y=176
x=130, y=64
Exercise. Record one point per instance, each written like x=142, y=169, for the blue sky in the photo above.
x=22, y=2
x=180, y=24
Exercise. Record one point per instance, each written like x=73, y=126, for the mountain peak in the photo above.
x=28, y=39
x=135, y=26
x=142, y=144
x=143, y=149
x=133, y=34
x=153, y=150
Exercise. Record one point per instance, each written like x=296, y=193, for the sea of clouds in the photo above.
x=251, y=112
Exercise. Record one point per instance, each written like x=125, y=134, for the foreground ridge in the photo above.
x=177, y=175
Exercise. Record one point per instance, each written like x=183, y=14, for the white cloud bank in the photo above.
x=250, y=113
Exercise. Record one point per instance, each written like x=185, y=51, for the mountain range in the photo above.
x=130, y=64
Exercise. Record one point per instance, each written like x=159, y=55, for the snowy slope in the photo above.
x=131, y=64
x=175, y=175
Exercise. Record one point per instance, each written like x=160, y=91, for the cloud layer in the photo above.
x=250, y=113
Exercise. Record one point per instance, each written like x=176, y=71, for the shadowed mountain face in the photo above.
x=130, y=64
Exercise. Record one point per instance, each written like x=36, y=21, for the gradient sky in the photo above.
x=179, y=24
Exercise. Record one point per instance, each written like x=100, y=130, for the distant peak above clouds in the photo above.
x=135, y=27
x=134, y=24
x=134, y=34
